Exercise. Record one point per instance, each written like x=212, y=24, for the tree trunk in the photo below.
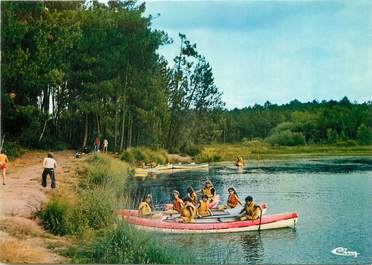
x=115, y=131
x=85, y=131
x=98, y=126
x=130, y=125
x=43, y=131
x=122, y=129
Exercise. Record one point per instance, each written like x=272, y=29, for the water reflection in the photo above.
x=253, y=247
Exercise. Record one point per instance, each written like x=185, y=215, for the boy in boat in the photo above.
x=251, y=210
x=177, y=201
x=203, y=209
x=188, y=212
x=191, y=194
x=208, y=190
x=239, y=161
x=145, y=206
x=233, y=199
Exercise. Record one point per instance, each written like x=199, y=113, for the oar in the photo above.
x=259, y=226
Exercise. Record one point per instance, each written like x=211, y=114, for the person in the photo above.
x=97, y=143
x=3, y=161
x=251, y=210
x=177, y=201
x=191, y=194
x=233, y=199
x=208, y=189
x=145, y=206
x=153, y=164
x=239, y=161
x=203, y=209
x=49, y=165
x=105, y=145
x=188, y=211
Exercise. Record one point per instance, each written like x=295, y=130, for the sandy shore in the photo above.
x=22, y=239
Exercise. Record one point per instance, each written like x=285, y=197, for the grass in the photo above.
x=18, y=252
x=88, y=215
x=145, y=154
x=259, y=150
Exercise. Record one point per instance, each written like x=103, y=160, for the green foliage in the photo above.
x=125, y=245
x=55, y=215
x=203, y=157
x=364, y=135
x=346, y=143
x=286, y=138
x=12, y=149
x=332, y=136
x=190, y=149
x=132, y=155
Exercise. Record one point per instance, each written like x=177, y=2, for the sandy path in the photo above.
x=22, y=240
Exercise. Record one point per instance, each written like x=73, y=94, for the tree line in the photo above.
x=72, y=71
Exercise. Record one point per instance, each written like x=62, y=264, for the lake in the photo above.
x=332, y=196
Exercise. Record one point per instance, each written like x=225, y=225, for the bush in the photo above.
x=286, y=138
x=12, y=149
x=144, y=154
x=54, y=216
x=201, y=158
x=190, y=149
x=364, y=135
x=127, y=156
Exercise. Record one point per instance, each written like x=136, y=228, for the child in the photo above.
x=145, y=206
x=208, y=189
x=233, y=199
x=3, y=161
x=251, y=210
x=49, y=165
x=177, y=202
x=191, y=194
x=188, y=212
x=203, y=209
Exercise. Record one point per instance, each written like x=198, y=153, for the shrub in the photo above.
x=127, y=156
x=286, y=138
x=346, y=143
x=364, y=135
x=190, y=149
x=201, y=158
x=144, y=154
x=12, y=149
x=54, y=216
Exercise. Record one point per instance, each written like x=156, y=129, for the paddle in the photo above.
x=259, y=226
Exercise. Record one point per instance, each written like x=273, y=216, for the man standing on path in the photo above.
x=105, y=145
x=3, y=161
x=49, y=165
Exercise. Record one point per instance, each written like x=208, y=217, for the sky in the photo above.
x=276, y=51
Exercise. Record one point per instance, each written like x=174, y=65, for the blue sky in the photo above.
x=276, y=50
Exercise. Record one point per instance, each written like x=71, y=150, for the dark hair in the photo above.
x=187, y=199
x=50, y=155
x=248, y=199
x=204, y=196
x=190, y=190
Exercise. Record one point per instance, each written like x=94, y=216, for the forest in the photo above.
x=72, y=71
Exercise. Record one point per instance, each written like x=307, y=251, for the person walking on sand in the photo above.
x=3, y=161
x=97, y=143
x=105, y=145
x=49, y=165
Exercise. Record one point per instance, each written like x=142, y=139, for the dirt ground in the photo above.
x=22, y=240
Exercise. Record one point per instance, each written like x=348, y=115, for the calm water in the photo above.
x=332, y=196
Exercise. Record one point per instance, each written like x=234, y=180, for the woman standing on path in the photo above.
x=49, y=165
x=3, y=161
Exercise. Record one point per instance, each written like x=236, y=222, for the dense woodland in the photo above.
x=72, y=71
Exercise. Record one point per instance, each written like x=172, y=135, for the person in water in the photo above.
x=239, y=160
x=233, y=199
x=203, y=209
x=188, y=211
x=208, y=189
x=251, y=210
x=177, y=201
x=145, y=206
x=191, y=194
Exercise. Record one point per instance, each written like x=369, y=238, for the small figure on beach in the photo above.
x=145, y=208
x=105, y=145
x=97, y=143
x=203, y=209
x=49, y=165
x=251, y=210
x=3, y=161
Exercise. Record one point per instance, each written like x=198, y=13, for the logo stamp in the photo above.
x=341, y=251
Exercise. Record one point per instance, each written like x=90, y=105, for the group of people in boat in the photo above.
x=190, y=207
